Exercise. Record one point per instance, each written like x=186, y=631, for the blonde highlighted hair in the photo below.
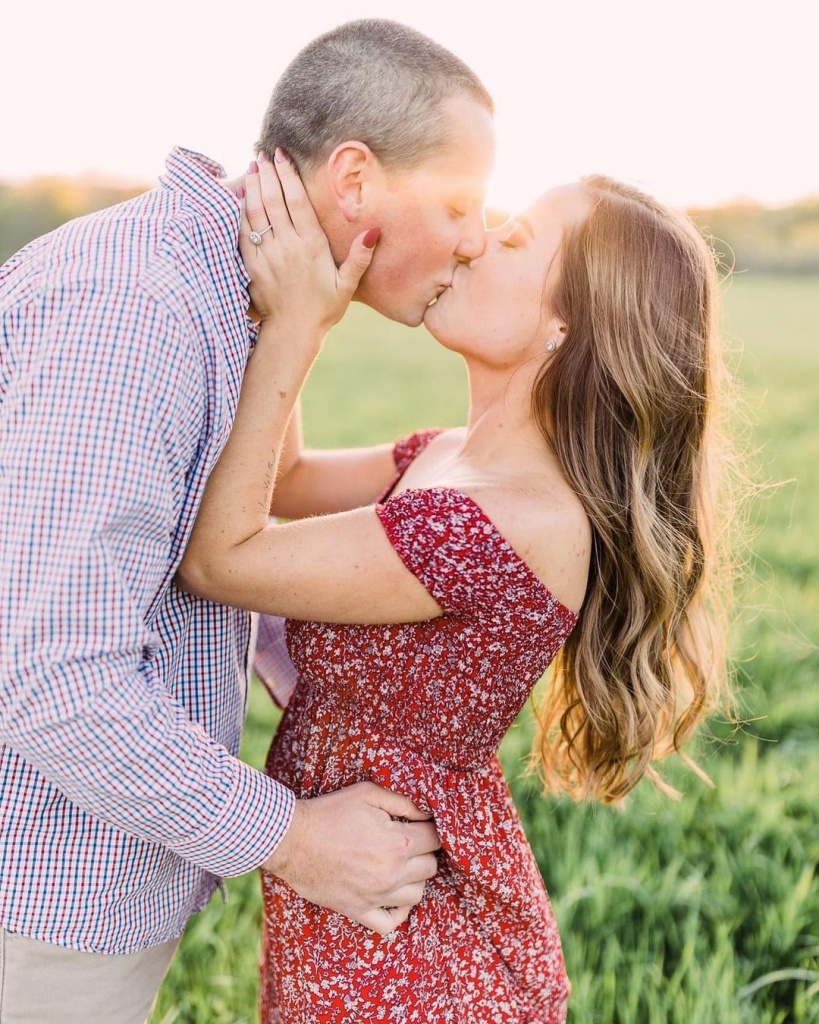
x=628, y=402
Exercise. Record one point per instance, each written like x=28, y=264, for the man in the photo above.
x=121, y=699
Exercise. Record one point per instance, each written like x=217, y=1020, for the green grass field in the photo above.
x=701, y=911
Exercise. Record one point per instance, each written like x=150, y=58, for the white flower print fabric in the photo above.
x=421, y=708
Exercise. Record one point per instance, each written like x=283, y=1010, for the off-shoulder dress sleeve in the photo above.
x=409, y=447
x=449, y=544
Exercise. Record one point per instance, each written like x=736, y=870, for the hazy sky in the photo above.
x=699, y=101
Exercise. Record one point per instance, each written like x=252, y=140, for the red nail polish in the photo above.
x=371, y=238
x=240, y=192
x=253, y=168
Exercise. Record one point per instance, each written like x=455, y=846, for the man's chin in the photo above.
x=414, y=320
x=400, y=315
x=401, y=308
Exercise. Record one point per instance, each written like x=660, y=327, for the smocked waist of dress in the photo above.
x=472, y=808
x=325, y=736
x=458, y=737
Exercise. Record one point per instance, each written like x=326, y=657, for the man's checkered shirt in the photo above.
x=122, y=801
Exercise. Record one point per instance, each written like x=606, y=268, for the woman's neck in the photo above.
x=500, y=418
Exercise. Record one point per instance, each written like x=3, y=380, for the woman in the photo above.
x=434, y=583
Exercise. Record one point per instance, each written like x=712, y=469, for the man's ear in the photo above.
x=353, y=174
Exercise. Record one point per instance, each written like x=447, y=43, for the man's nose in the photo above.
x=473, y=237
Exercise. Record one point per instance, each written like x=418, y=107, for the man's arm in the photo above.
x=91, y=499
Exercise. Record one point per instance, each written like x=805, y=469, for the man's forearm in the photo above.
x=133, y=758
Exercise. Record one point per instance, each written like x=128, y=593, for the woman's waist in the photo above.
x=472, y=808
x=449, y=784
x=329, y=743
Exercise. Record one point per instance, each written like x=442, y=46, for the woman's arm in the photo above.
x=317, y=482
x=339, y=567
x=335, y=568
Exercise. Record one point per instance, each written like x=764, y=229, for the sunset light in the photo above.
x=699, y=102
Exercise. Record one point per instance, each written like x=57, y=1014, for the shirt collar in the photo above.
x=199, y=178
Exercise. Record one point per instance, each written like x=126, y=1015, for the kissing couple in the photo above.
x=152, y=359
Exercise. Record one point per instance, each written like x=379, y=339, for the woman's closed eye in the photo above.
x=516, y=233
x=513, y=239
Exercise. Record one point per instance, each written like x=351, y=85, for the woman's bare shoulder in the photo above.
x=546, y=524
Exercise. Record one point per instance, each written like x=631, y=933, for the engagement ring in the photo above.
x=256, y=236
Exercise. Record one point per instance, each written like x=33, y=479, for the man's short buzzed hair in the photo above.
x=376, y=81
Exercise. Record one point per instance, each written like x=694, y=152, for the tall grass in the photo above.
x=701, y=911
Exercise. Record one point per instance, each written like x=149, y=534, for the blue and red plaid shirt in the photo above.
x=122, y=801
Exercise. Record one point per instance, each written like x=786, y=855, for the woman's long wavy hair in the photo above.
x=628, y=403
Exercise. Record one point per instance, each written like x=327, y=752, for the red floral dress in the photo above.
x=421, y=708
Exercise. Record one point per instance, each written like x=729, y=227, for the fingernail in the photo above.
x=281, y=156
x=262, y=157
x=253, y=168
x=371, y=238
x=240, y=192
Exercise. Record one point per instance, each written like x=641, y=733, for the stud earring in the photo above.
x=551, y=345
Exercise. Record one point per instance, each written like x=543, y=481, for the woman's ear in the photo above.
x=555, y=331
x=354, y=176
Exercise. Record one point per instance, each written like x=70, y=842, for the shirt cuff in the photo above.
x=249, y=827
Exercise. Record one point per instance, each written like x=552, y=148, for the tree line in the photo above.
x=747, y=236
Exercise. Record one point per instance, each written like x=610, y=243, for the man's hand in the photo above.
x=345, y=851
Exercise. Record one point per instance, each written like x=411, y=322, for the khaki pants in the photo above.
x=45, y=984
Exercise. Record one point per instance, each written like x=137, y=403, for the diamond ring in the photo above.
x=256, y=236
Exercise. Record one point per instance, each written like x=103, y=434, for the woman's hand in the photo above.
x=294, y=279
x=300, y=294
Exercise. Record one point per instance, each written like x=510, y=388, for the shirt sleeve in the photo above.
x=91, y=491
x=271, y=661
